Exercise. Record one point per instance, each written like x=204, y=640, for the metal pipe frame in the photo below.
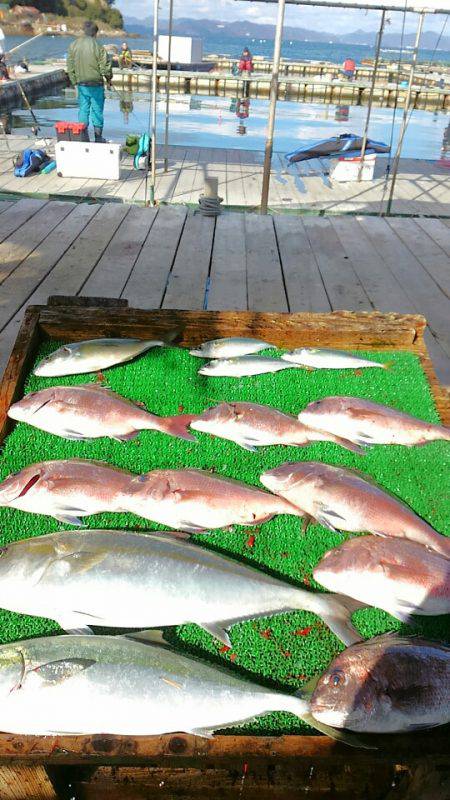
x=153, y=111
x=167, y=113
x=273, y=96
x=372, y=90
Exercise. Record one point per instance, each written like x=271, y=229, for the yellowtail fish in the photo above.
x=91, y=355
x=244, y=366
x=91, y=411
x=230, y=347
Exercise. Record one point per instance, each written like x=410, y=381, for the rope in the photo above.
x=209, y=206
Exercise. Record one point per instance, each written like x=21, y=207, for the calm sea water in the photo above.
x=223, y=122
x=56, y=47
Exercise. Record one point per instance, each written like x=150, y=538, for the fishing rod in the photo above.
x=36, y=127
x=18, y=46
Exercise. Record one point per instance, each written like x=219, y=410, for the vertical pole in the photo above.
x=169, y=56
x=405, y=113
x=154, y=86
x=372, y=90
x=272, y=107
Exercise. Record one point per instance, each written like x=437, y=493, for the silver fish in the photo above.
x=194, y=500
x=402, y=577
x=91, y=355
x=66, y=489
x=90, y=411
x=125, y=685
x=230, y=347
x=252, y=425
x=365, y=423
x=123, y=579
x=389, y=684
x=328, y=359
x=244, y=366
x=343, y=499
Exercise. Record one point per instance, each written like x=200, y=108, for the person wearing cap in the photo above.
x=125, y=57
x=88, y=68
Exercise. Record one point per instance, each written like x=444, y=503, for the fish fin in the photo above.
x=70, y=434
x=344, y=736
x=247, y=444
x=205, y=733
x=69, y=519
x=152, y=636
x=308, y=688
x=338, y=617
x=326, y=524
x=80, y=630
x=55, y=672
x=189, y=527
x=177, y=426
x=126, y=437
x=216, y=630
x=198, y=353
x=168, y=535
x=306, y=522
x=329, y=518
x=354, y=447
x=80, y=563
x=387, y=364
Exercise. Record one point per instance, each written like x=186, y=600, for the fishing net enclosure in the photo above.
x=288, y=649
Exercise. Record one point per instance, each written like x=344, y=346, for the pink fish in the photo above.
x=252, y=425
x=364, y=422
x=90, y=411
x=66, y=490
x=195, y=500
x=342, y=499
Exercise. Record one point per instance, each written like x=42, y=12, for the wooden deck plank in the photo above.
x=188, y=279
x=439, y=230
x=148, y=280
x=265, y=285
x=342, y=284
x=304, y=284
x=433, y=259
x=20, y=244
x=113, y=269
x=20, y=285
x=17, y=215
x=426, y=295
x=235, y=187
x=228, y=277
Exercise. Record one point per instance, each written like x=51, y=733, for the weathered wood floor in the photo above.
x=423, y=187
x=172, y=258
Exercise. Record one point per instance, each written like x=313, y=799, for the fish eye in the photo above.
x=337, y=678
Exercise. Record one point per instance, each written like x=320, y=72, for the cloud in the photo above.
x=338, y=20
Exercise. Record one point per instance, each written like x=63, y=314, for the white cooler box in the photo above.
x=347, y=169
x=88, y=160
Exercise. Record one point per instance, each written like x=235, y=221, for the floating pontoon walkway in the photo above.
x=172, y=258
x=423, y=187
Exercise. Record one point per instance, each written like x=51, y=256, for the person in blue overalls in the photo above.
x=88, y=67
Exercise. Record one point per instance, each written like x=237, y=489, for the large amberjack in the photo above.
x=66, y=489
x=252, y=425
x=365, y=423
x=123, y=579
x=400, y=576
x=92, y=355
x=389, y=684
x=90, y=411
x=342, y=499
x=194, y=500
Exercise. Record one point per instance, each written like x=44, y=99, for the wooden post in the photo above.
x=169, y=56
x=405, y=119
x=372, y=89
x=272, y=107
x=153, y=111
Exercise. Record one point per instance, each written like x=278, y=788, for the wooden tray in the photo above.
x=180, y=765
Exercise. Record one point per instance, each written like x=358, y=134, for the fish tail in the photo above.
x=443, y=432
x=178, y=426
x=387, y=364
x=303, y=711
x=337, y=612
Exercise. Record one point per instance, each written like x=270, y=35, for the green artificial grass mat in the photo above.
x=285, y=650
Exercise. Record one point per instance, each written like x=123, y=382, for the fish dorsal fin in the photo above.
x=152, y=637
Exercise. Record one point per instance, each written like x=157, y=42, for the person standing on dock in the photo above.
x=125, y=57
x=246, y=66
x=88, y=68
x=349, y=68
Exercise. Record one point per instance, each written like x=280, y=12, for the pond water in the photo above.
x=232, y=123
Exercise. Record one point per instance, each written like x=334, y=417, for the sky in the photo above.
x=325, y=19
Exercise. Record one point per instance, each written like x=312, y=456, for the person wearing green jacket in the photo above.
x=88, y=68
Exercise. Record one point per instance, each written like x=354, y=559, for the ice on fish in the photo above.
x=244, y=366
x=329, y=359
x=90, y=411
x=230, y=347
x=365, y=423
x=123, y=579
x=343, y=499
x=92, y=355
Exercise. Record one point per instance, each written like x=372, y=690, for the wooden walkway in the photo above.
x=172, y=258
x=423, y=187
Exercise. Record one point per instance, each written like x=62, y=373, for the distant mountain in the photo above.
x=210, y=27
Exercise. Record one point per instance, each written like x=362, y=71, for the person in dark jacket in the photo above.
x=88, y=68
